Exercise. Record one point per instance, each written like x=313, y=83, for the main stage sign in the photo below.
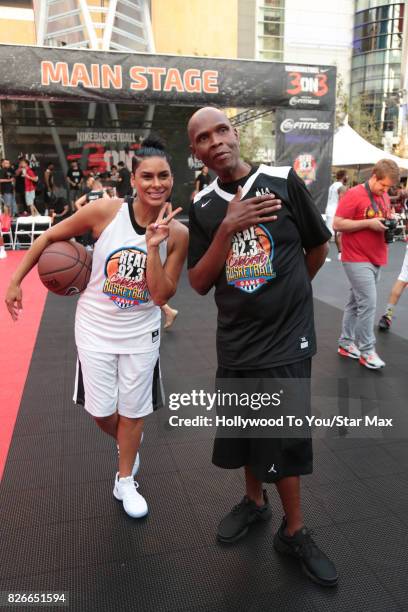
x=77, y=74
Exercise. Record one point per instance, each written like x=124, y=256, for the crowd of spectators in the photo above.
x=26, y=190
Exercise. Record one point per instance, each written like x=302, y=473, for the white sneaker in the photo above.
x=349, y=350
x=371, y=361
x=125, y=490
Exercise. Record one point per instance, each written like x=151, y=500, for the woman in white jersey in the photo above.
x=138, y=257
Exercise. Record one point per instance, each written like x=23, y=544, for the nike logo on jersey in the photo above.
x=205, y=203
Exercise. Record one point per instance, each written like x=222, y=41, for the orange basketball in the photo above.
x=65, y=267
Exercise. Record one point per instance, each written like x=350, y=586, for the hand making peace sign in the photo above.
x=159, y=230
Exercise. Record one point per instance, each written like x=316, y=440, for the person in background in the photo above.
x=123, y=185
x=114, y=174
x=49, y=185
x=336, y=191
x=30, y=182
x=360, y=218
x=202, y=180
x=95, y=191
x=7, y=187
x=394, y=297
x=60, y=211
x=75, y=178
x=110, y=192
x=5, y=226
x=19, y=187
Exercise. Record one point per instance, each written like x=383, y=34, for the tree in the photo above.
x=342, y=101
x=360, y=117
x=250, y=142
x=363, y=120
x=402, y=148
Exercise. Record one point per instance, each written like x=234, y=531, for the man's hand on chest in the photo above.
x=244, y=213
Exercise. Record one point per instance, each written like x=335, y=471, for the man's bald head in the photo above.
x=202, y=116
x=215, y=142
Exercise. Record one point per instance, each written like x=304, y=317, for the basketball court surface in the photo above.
x=62, y=530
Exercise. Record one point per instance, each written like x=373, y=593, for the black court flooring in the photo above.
x=61, y=529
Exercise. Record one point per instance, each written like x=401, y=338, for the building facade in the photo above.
x=17, y=22
x=291, y=31
x=377, y=63
x=363, y=38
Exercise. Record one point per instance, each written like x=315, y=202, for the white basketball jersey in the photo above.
x=115, y=313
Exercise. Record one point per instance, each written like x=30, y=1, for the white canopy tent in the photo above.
x=350, y=149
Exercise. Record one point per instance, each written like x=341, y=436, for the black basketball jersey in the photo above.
x=264, y=295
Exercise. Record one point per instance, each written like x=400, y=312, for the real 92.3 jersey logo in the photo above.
x=248, y=266
x=125, y=283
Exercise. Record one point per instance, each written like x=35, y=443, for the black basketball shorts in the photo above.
x=269, y=458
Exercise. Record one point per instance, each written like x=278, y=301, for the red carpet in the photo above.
x=17, y=344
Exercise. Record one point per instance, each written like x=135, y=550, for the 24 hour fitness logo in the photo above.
x=288, y=125
x=125, y=282
x=303, y=101
x=249, y=262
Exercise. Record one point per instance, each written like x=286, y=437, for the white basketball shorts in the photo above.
x=127, y=383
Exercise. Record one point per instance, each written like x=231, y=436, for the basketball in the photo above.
x=65, y=267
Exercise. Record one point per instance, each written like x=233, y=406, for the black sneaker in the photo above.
x=314, y=562
x=236, y=523
x=385, y=323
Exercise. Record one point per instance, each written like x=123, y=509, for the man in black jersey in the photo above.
x=257, y=237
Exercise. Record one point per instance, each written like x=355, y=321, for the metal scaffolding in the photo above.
x=249, y=115
x=120, y=25
x=123, y=25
